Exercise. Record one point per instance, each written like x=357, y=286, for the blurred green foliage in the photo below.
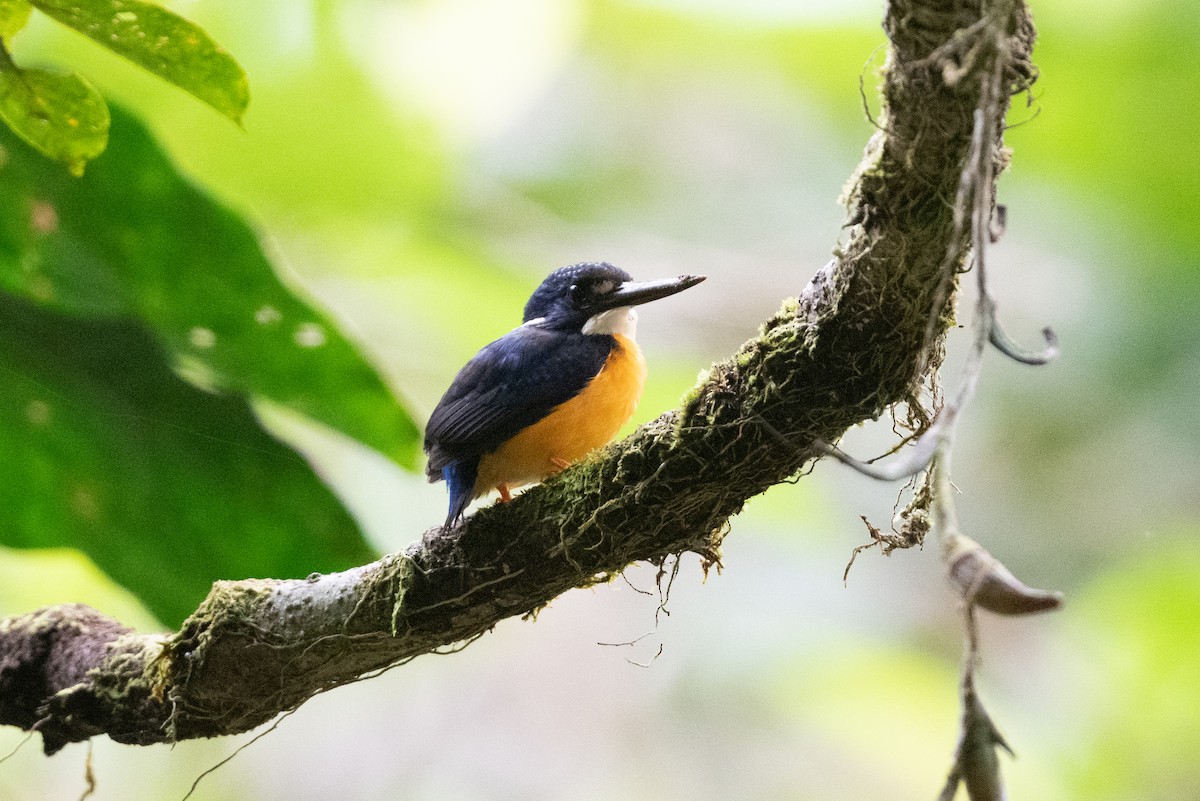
x=162, y=42
x=112, y=284
x=61, y=115
x=167, y=487
x=64, y=117
x=135, y=239
x=1118, y=122
x=421, y=165
x=13, y=16
x=1138, y=621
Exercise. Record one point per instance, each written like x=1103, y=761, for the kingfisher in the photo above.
x=550, y=391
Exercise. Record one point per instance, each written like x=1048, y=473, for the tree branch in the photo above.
x=862, y=336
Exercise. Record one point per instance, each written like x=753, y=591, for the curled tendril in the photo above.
x=916, y=460
x=1003, y=343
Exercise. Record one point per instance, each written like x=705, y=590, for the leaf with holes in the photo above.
x=134, y=239
x=138, y=321
x=165, y=486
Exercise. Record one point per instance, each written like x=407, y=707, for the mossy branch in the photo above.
x=863, y=335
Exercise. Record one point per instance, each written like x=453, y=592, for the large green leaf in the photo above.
x=163, y=43
x=167, y=487
x=134, y=239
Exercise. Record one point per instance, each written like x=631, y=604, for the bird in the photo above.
x=550, y=391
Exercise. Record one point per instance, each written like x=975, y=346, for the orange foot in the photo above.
x=559, y=464
x=505, y=495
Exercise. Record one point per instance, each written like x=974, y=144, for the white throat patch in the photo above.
x=621, y=320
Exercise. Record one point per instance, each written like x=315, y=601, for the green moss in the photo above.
x=398, y=578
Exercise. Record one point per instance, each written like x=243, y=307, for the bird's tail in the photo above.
x=460, y=480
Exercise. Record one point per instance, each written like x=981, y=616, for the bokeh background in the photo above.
x=417, y=167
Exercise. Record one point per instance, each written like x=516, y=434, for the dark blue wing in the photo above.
x=508, y=386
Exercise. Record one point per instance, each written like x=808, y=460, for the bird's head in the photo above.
x=574, y=298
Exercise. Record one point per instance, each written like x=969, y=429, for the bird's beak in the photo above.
x=633, y=293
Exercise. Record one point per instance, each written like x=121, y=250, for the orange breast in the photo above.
x=573, y=429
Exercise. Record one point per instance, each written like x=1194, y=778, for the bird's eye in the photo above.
x=587, y=291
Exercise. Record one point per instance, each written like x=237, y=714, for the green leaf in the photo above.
x=162, y=42
x=166, y=487
x=60, y=115
x=133, y=239
x=13, y=16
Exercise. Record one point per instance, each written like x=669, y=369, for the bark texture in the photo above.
x=859, y=339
